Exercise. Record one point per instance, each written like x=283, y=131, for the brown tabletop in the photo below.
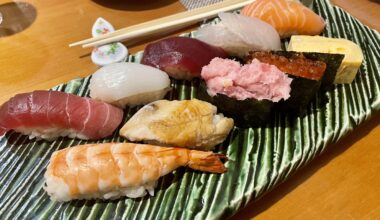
x=341, y=184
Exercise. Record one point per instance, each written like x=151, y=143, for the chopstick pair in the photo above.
x=168, y=23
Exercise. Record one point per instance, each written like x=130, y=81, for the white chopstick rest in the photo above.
x=109, y=53
x=101, y=27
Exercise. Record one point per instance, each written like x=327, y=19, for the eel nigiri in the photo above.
x=112, y=170
x=49, y=114
x=129, y=84
x=187, y=123
x=286, y=16
x=238, y=34
x=180, y=57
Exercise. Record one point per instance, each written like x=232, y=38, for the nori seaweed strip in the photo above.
x=333, y=62
x=246, y=113
x=302, y=92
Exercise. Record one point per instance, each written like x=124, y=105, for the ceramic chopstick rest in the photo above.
x=109, y=53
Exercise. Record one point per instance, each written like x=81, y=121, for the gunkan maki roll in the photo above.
x=303, y=64
x=246, y=93
x=307, y=71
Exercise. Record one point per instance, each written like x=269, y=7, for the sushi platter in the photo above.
x=195, y=137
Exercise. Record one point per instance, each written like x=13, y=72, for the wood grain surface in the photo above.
x=341, y=184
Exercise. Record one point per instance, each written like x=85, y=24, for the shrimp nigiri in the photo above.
x=112, y=170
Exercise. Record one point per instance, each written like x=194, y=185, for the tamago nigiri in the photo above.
x=112, y=170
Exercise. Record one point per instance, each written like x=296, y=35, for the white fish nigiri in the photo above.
x=129, y=84
x=239, y=34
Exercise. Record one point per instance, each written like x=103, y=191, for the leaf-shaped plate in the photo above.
x=259, y=159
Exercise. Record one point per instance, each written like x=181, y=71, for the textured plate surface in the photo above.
x=259, y=159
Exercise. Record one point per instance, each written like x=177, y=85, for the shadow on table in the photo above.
x=134, y=5
x=255, y=208
x=16, y=17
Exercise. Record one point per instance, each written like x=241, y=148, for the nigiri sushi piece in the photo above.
x=286, y=16
x=112, y=170
x=187, y=123
x=50, y=114
x=180, y=57
x=245, y=93
x=129, y=84
x=238, y=34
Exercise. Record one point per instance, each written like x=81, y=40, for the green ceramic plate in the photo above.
x=259, y=159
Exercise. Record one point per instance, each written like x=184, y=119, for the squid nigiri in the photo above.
x=50, y=114
x=129, y=84
x=112, y=170
x=286, y=16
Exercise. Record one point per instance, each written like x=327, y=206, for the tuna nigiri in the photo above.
x=238, y=34
x=180, y=57
x=288, y=17
x=50, y=114
x=112, y=170
x=129, y=84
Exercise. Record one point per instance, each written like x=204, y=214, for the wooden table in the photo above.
x=341, y=184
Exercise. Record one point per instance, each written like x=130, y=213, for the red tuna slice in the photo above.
x=51, y=114
x=18, y=111
x=56, y=111
x=38, y=112
x=78, y=111
x=181, y=57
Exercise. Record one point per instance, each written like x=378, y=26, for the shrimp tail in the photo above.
x=207, y=161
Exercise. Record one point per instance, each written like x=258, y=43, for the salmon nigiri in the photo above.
x=111, y=170
x=286, y=16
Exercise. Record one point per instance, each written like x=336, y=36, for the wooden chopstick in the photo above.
x=167, y=23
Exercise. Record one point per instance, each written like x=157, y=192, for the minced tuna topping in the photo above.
x=255, y=80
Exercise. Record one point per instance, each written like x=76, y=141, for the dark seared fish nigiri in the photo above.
x=180, y=57
x=188, y=123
